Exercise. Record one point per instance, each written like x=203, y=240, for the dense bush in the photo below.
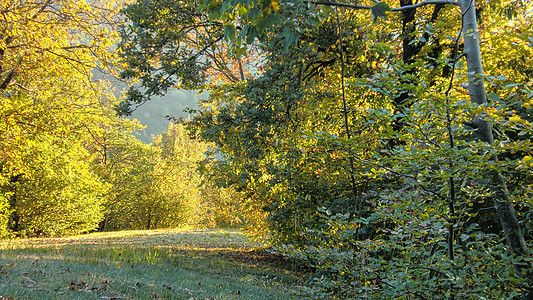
x=60, y=196
x=404, y=262
x=158, y=185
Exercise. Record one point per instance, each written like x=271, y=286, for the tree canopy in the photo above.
x=384, y=145
x=381, y=151
x=68, y=163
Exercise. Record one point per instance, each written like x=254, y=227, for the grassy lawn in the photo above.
x=156, y=264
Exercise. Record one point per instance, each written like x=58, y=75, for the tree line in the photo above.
x=68, y=163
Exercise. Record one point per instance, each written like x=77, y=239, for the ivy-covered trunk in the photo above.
x=476, y=90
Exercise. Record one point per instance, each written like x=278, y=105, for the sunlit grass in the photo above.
x=157, y=264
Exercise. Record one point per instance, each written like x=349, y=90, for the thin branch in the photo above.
x=70, y=59
x=150, y=92
x=451, y=202
x=241, y=70
x=339, y=4
x=43, y=7
x=221, y=67
x=23, y=87
x=8, y=80
x=434, y=270
x=424, y=3
x=407, y=7
x=402, y=175
x=486, y=208
x=345, y=108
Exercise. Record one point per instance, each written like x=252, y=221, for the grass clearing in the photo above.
x=155, y=264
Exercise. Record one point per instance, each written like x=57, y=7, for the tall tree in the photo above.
x=48, y=51
x=330, y=91
x=182, y=47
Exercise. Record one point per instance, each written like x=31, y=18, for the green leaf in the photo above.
x=253, y=13
x=243, y=35
x=494, y=97
x=314, y=20
x=380, y=11
x=226, y=6
x=291, y=38
x=251, y=34
x=229, y=32
x=214, y=11
x=267, y=22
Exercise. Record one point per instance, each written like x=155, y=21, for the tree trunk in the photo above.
x=476, y=90
x=410, y=50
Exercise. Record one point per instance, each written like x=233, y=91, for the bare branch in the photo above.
x=339, y=4
x=8, y=80
x=407, y=7
x=241, y=70
x=424, y=3
x=43, y=7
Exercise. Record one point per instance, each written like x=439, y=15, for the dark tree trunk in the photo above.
x=410, y=50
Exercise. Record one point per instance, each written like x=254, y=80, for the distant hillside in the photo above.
x=152, y=113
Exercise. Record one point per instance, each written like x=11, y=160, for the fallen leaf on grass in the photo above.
x=154, y=296
x=188, y=291
x=135, y=286
x=28, y=282
x=73, y=286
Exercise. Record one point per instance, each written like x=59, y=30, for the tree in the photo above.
x=126, y=164
x=476, y=89
x=186, y=50
x=48, y=50
x=61, y=195
x=157, y=185
x=186, y=198
x=296, y=119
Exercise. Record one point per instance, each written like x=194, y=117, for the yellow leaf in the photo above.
x=275, y=5
x=515, y=119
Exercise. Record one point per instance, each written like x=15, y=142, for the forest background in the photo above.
x=363, y=140
x=69, y=164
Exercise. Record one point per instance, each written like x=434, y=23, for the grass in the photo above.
x=156, y=264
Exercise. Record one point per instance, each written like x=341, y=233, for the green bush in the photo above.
x=60, y=196
x=404, y=262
